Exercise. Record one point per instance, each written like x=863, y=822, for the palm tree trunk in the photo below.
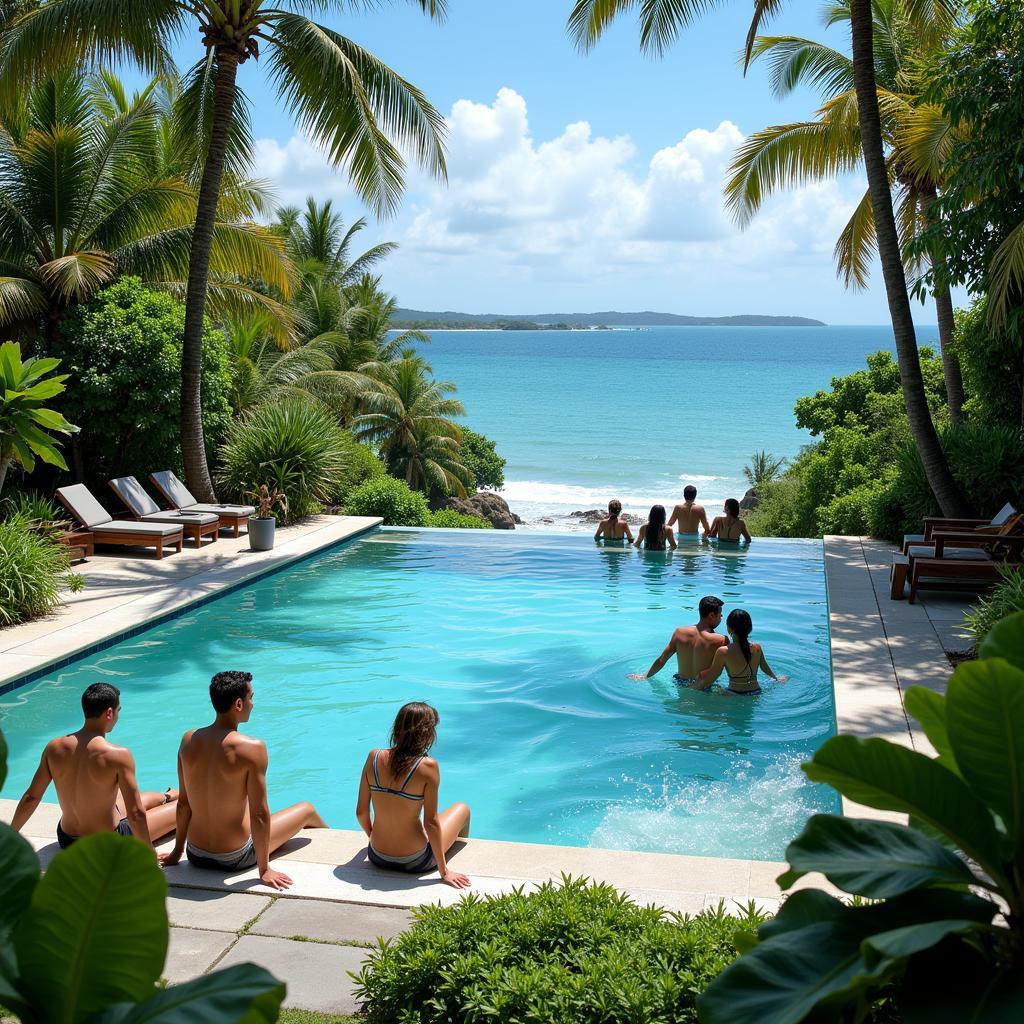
x=193, y=444
x=5, y=461
x=945, y=488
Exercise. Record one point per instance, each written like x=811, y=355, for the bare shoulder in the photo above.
x=430, y=768
x=248, y=748
x=719, y=640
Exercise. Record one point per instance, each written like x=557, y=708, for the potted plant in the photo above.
x=263, y=522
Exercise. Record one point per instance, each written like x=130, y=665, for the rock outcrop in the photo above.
x=750, y=500
x=595, y=515
x=486, y=505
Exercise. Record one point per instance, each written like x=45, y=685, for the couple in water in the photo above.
x=687, y=517
x=702, y=655
x=219, y=812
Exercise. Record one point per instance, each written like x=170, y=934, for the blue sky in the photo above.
x=583, y=182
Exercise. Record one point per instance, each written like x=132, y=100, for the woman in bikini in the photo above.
x=654, y=534
x=740, y=659
x=398, y=783
x=614, y=529
x=729, y=528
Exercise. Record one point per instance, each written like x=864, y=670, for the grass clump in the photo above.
x=572, y=952
x=393, y=500
x=449, y=519
x=1006, y=598
x=33, y=571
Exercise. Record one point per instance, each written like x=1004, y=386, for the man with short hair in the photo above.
x=222, y=804
x=688, y=514
x=694, y=646
x=95, y=781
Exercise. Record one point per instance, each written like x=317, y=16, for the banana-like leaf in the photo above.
x=1006, y=641
x=877, y=859
x=19, y=872
x=96, y=931
x=929, y=708
x=3, y=759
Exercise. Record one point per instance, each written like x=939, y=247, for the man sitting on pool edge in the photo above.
x=95, y=781
x=222, y=803
x=694, y=646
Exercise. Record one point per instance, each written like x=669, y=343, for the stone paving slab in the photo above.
x=191, y=952
x=213, y=910
x=317, y=974
x=331, y=922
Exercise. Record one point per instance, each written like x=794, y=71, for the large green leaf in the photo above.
x=929, y=708
x=880, y=774
x=877, y=859
x=985, y=713
x=3, y=759
x=245, y=994
x=904, y=942
x=96, y=931
x=19, y=873
x=1006, y=640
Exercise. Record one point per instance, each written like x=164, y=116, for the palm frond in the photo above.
x=856, y=246
x=20, y=299
x=793, y=61
x=1006, y=276
x=76, y=276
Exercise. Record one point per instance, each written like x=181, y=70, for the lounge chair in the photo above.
x=953, y=575
x=144, y=509
x=78, y=500
x=178, y=496
x=939, y=523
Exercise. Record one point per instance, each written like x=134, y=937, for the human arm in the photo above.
x=599, y=530
x=432, y=826
x=673, y=517
x=640, y=536
x=767, y=669
x=713, y=532
x=704, y=520
x=135, y=811
x=744, y=532
x=659, y=662
x=671, y=538
x=363, y=800
x=34, y=794
x=709, y=675
x=259, y=815
x=627, y=531
x=182, y=818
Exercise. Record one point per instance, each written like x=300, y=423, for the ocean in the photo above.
x=635, y=414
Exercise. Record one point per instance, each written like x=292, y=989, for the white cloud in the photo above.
x=299, y=169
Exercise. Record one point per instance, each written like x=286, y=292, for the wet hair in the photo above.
x=655, y=524
x=227, y=687
x=614, y=508
x=709, y=605
x=98, y=697
x=740, y=624
x=689, y=492
x=732, y=506
x=412, y=735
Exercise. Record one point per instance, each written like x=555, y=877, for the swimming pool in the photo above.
x=523, y=643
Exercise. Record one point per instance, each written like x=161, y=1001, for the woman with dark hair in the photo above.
x=398, y=783
x=654, y=534
x=729, y=528
x=739, y=658
x=614, y=529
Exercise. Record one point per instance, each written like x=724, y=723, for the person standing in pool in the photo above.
x=614, y=529
x=689, y=515
x=654, y=534
x=729, y=528
x=694, y=646
x=222, y=805
x=398, y=783
x=95, y=781
x=740, y=659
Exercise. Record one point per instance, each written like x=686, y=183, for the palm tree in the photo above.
x=407, y=419
x=661, y=21
x=763, y=469
x=87, y=196
x=346, y=98
x=917, y=136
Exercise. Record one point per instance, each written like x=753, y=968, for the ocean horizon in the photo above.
x=637, y=413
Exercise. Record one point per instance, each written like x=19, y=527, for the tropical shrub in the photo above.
x=89, y=938
x=573, y=952
x=1006, y=598
x=763, y=468
x=393, y=500
x=294, y=446
x=33, y=571
x=123, y=348
x=992, y=363
x=947, y=930
x=449, y=519
x=359, y=464
x=479, y=455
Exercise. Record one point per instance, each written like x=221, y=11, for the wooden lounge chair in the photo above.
x=178, y=496
x=144, y=509
x=934, y=523
x=953, y=575
x=78, y=500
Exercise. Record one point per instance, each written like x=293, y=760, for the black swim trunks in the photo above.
x=64, y=840
x=415, y=864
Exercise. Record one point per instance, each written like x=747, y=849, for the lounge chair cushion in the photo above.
x=130, y=491
x=960, y=554
x=1000, y=518
x=144, y=530
x=174, y=490
x=223, y=510
x=182, y=518
x=85, y=507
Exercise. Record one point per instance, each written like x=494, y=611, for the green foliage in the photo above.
x=479, y=455
x=33, y=571
x=1006, y=598
x=40, y=513
x=938, y=938
x=25, y=417
x=574, y=952
x=763, y=468
x=123, y=347
x=992, y=362
x=393, y=500
x=359, y=464
x=294, y=446
x=449, y=519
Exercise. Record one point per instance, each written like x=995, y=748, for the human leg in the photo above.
x=454, y=824
x=162, y=818
x=151, y=800
x=285, y=824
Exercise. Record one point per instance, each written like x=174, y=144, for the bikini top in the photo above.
x=376, y=787
x=725, y=525
x=747, y=675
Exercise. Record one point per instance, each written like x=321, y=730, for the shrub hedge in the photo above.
x=448, y=518
x=33, y=572
x=391, y=499
x=1006, y=598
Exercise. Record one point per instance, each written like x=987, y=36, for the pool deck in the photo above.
x=320, y=929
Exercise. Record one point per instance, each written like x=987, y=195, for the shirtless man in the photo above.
x=95, y=781
x=689, y=515
x=693, y=646
x=222, y=806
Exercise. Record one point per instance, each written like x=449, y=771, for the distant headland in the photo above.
x=426, y=320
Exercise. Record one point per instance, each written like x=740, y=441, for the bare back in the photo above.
x=397, y=826
x=688, y=516
x=87, y=773
x=695, y=649
x=217, y=766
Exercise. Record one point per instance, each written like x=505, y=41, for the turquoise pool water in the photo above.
x=523, y=643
